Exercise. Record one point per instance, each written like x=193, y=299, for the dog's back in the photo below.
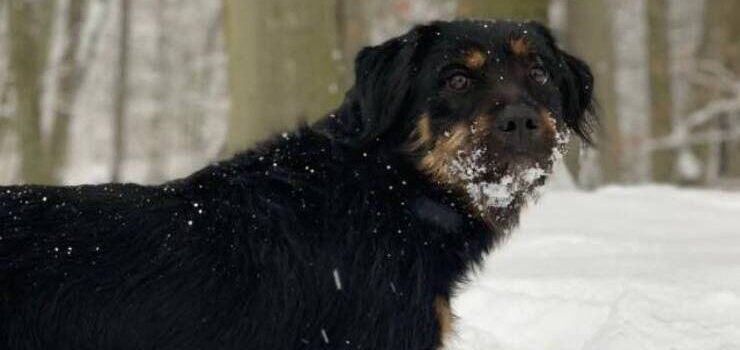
x=68, y=252
x=249, y=252
x=127, y=266
x=40, y=224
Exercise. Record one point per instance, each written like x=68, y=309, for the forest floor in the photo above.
x=620, y=268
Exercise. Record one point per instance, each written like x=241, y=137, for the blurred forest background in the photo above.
x=149, y=90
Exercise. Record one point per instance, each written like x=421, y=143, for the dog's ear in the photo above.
x=384, y=77
x=577, y=88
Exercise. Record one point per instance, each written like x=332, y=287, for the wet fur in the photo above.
x=243, y=254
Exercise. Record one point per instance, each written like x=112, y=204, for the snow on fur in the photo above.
x=471, y=168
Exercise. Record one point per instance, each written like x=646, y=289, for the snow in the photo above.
x=337, y=279
x=470, y=167
x=620, y=268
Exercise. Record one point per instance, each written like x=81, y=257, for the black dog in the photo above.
x=349, y=234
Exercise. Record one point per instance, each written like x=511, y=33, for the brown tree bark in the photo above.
x=352, y=30
x=29, y=24
x=520, y=9
x=722, y=45
x=589, y=36
x=70, y=77
x=281, y=66
x=121, y=91
x=660, y=87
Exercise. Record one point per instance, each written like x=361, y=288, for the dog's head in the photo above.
x=481, y=107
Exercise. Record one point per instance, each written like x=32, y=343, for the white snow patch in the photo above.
x=533, y=174
x=620, y=268
x=470, y=168
x=493, y=194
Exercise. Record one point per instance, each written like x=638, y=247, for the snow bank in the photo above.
x=621, y=268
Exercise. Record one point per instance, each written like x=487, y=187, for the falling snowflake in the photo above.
x=337, y=279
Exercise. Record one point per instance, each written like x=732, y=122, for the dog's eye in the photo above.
x=539, y=75
x=458, y=82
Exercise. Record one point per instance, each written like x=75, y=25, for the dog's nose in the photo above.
x=517, y=124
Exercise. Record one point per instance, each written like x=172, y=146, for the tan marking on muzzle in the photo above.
x=421, y=137
x=481, y=125
x=548, y=130
x=436, y=160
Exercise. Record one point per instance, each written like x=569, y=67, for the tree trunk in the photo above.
x=352, y=27
x=660, y=87
x=520, y=9
x=281, y=66
x=362, y=23
x=30, y=24
x=632, y=87
x=684, y=35
x=722, y=45
x=121, y=92
x=70, y=77
x=589, y=36
x=6, y=127
x=155, y=157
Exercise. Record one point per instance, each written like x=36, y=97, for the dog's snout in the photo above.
x=517, y=124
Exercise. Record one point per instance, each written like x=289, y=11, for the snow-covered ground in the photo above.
x=619, y=268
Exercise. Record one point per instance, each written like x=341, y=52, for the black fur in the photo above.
x=329, y=238
x=381, y=92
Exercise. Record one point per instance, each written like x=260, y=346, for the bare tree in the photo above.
x=121, y=91
x=520, y=9
x=30, y=24
x=632, y=87
x=720, y=57
x=6, y=107
x=353, y=33
x=684, y=35
x=389, y=18
x=713, y=124
x=588, y=35
x=163, y=84
x=660, y=87
x=281, y=65
x=70, y=76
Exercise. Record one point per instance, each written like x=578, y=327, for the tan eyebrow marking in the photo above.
x=519, y=46
x=475, y=59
